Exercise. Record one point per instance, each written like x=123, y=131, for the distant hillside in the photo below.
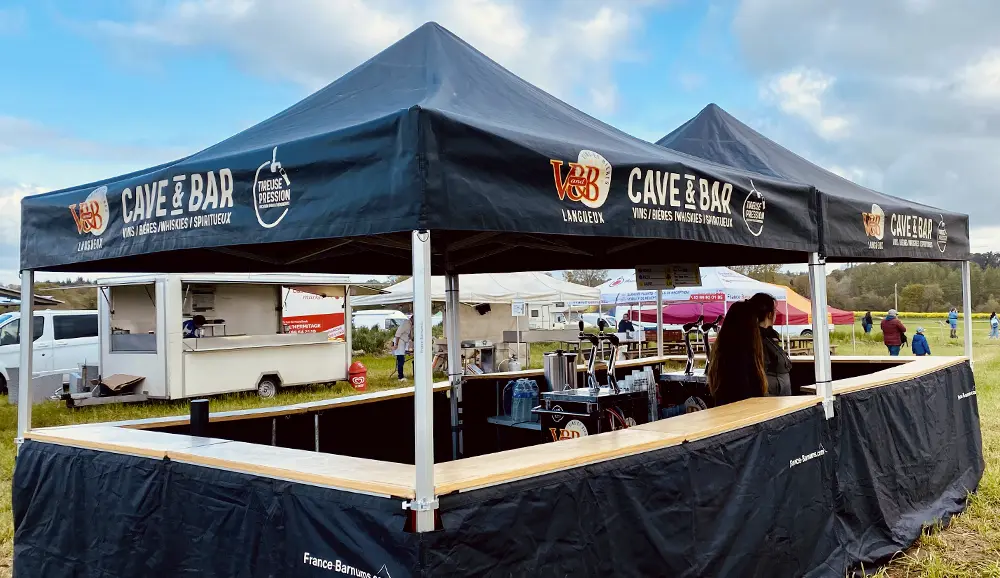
x=72, y=292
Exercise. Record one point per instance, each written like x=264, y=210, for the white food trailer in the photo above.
x=245, y=344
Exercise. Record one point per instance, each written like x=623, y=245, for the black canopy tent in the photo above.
x=428, y=137
x=430, y=141
x=857, y=223
x=429, y=134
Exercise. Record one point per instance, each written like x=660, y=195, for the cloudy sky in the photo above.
x=899, y=95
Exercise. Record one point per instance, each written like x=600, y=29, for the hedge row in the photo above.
x=914, y=315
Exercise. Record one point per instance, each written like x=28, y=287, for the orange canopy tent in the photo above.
x=834, y=316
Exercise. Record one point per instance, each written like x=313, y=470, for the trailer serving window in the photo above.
x=133, y=318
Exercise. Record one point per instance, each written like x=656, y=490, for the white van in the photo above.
x=63, y=341
x=378, y=318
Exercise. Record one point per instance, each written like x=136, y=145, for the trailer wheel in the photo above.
x=267, y=387
x=806, y=333
x=3, y=385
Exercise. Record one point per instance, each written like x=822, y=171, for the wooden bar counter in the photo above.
x=357, y=474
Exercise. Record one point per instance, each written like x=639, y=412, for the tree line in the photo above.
x=916, y=287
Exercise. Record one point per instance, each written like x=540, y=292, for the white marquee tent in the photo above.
x=490, y=288
x=717, y=284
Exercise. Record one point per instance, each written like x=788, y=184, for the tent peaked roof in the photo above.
x=428, y=134
x=430, y=69
x=908, y=230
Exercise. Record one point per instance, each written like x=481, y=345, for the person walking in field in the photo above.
x=866, y=322
x=953, y=322
x=994, y=326
x=920, y=346
x=892, y=332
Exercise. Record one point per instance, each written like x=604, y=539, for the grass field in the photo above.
x=970, y=547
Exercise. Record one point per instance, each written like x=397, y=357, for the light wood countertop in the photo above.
x=511, y=465
x=909, y=368
x=342, y=472
x=393, y=479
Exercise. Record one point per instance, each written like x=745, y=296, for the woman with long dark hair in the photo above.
x=736, y=371
x=777, y=365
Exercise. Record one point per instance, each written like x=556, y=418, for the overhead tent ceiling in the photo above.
x=858, y=224
x=429, y=134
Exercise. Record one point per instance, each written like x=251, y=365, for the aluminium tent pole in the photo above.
x=600, y=315
x=966, y=307
x=821, y=333
x=454, y=360
x=659, y=323
x=788, y=343
x=348, y=328
x=642, y=328
x=424, y=502
x=27, y=330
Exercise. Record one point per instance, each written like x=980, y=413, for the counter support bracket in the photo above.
x=421, y=505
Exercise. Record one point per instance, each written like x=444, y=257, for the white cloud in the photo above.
x=800, y=93
x=918, y=81
x=859, y=175
x=606, y=99
x=35, y=158
x=980, y=80
x=985, y=239
x=19, y=135
x=567, y=48
x=10, y=220
x=691, y=81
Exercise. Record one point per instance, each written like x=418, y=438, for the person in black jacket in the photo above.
x=777, y=365
x=867, y=322
x=736, y=371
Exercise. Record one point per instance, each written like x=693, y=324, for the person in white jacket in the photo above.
x=401, y=344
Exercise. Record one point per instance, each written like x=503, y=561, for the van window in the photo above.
x=74, y=326
x=10, y=334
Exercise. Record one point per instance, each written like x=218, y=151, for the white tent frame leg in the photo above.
x=25, y=370
x=821, y=332
x=452, y=307
x=659, y=323
x=788, y=340
x=424, y=503
x=966, y=307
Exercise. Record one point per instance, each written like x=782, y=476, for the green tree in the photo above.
x=871, y=302
x=911, y=297
x=933, y=298
x=765, y=273
x=588, y=277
